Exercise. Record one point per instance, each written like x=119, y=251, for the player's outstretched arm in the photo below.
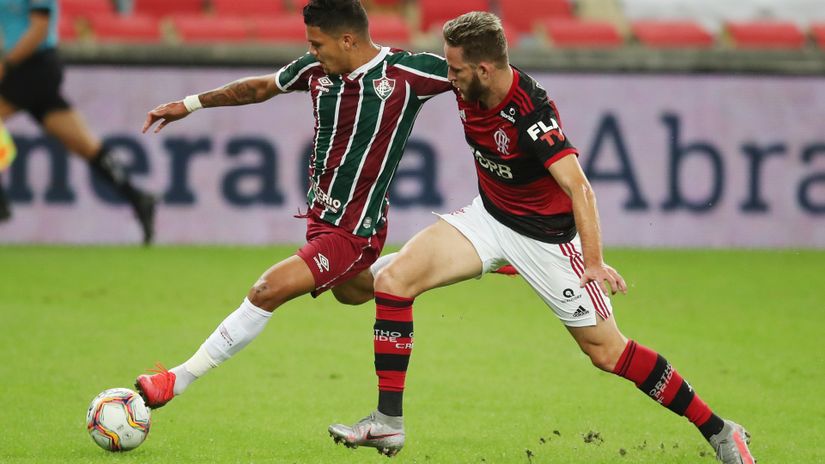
x=571, y=179
x=241, y=92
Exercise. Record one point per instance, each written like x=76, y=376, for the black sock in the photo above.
x=113, y=172
x=713, y=426
x=390, y=403
x=5, y=207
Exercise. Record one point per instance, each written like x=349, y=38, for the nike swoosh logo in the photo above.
x=370, y=436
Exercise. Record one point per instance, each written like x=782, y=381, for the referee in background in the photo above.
x=30, y=77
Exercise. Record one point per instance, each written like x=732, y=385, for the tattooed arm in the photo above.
x=241, y=92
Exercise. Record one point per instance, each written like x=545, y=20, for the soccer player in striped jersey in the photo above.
x=365, y=100
x=537, y=211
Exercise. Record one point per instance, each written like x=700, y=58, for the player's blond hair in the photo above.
x=480, y=36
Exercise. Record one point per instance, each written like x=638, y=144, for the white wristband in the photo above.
x=192, y=103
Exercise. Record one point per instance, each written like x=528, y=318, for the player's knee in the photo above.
x=266, y=295
x=389, y=280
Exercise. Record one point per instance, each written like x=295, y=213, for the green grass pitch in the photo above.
x=494, y=377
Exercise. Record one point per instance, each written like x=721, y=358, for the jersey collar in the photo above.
x=370, y=64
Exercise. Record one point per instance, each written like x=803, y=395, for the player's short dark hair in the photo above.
x=480, y=36
x=336, y=16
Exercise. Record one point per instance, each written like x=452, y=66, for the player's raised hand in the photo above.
x=165, y=113
x=609, y=280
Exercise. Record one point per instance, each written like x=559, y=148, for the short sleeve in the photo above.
x=426, y=73
x=295, y=75
x=541, y=135
x=46, y=6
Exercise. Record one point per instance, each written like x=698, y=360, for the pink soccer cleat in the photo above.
x=156, y=389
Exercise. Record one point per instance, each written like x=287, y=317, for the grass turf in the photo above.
x=494, y=378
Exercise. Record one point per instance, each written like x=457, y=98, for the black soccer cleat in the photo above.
x=144, y=208
x=5, y=207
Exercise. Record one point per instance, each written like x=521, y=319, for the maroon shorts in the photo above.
x=334, y=255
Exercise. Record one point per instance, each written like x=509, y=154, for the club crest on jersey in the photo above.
x=383, y=87
x=502, y=141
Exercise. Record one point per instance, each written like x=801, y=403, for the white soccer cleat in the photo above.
x=731, y=444
x=385, y=433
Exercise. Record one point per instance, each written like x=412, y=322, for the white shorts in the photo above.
x=552, y=270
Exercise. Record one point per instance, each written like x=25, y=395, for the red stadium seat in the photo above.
x=284, y=29
x=572, y=33
x=818, y=33
x=125, y=28
x=248, y=7
x=168, y=7
x=522, y=15
x=672, y=34
x=386, y=3
x=389, y=30
x=199, y=28
x=763, y=34
x=85, y=8
x=66, y=30
x=434, y=13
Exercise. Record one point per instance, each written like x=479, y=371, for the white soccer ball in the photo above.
x=118, y=419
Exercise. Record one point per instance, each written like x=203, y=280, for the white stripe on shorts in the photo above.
x=592, y=288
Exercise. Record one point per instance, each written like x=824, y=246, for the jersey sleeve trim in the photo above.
x=560, y=155
x=421, y=73
x=285, y=87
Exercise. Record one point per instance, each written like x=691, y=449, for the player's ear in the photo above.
x=348, y=41
x=485, y=68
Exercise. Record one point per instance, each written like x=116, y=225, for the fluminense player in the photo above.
x=31, y=74
x=365, y=100
x=537, y=211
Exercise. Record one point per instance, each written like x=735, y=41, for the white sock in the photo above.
x=381, y=263
x=234, y=333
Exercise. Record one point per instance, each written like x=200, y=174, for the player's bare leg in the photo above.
x=357, y=290
x=69, y=127
x=437, y=256
x=611, y=351
x=282, y=282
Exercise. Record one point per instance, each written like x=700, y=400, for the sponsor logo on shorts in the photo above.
x=569, y=295
x=581, y=312
x=322, y=262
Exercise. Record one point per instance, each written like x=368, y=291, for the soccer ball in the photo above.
x=118, y=419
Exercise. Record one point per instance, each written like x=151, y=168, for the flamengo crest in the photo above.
x=383, y=87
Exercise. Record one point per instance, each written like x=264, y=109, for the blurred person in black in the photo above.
x=30, y=78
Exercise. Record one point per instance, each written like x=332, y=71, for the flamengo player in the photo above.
x=537, y=211
x=365, y=100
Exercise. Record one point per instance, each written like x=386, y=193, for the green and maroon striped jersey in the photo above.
x=362, y=122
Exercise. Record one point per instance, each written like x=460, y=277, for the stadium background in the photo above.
x=689, y=114
x=700, y=125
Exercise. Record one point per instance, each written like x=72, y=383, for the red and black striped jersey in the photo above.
x=363, y=120
x=513, y=145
